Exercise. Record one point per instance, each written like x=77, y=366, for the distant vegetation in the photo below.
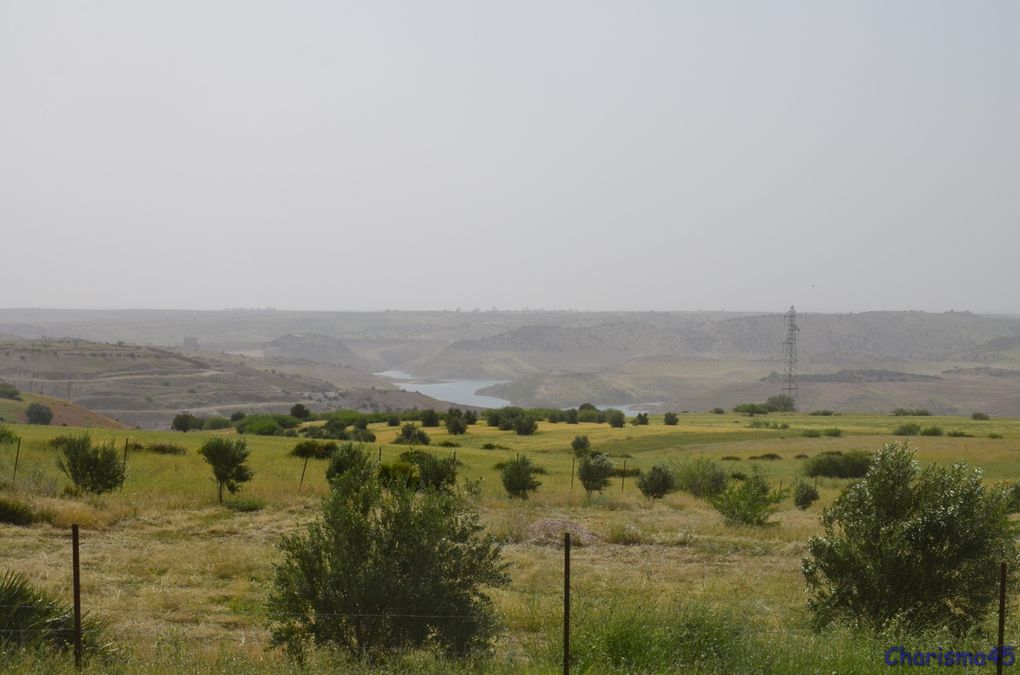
x=911, y=412
x=92, y=468
x=9, y=391
x=37, y=413
x=852, y=464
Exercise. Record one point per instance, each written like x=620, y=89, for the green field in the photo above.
x=181, y=580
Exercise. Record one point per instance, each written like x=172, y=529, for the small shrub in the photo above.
x=429, y=418
x=994, y=435
x=657, y=482
x=615, y=418
x=822, y=413
x=236, y=416
x=37, y=413
x=956, y=433
x=980, y=417
x=95, y=469
x=7, y=435
x=216, y=423
x=738, y=475
x=748, y=502
x=911, y=412
x=811, y=433
x=185, y=422
x=671, y=419
x=165, y=449
x=518, y=476
x=349, y=459
x=731, y=458
x=31, y=618
x=447, y=443
x=228, y=460
x=412, y=435
x=640, y=419
x=300, y=411
x=833, y=432
x=581, y=445
x=9, y=391
x=800, y=456
x=493, y=446
x=455, y=425
x=245, y=505
x=718, y=411
x=362, y=436
x=702, y=477
x=594, y=471
x=398, y=474
x=932, y=431
x=624, y=534
x=393, y=420
x=804, y=494
x=525, y=425
x=436, y=473
x=768, y=456
x=908, y=429
x=853, y=464
x=313, y=449
x=14, y=512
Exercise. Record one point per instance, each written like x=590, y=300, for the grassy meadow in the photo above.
x=666, y=586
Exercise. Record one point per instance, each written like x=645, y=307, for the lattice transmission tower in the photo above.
x=790, y=377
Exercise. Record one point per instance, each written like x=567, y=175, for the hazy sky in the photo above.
x=594, y=155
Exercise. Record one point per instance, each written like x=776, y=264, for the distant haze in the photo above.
x=612, y=155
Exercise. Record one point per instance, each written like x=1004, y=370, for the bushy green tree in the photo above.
x=915, y=547
x=570, y=416
x=393, y=420
x=92, y=468
x=228, y=459
x=470, y=417
x=37, y=413
x=519, y=477
x=804, y=494
x=748, y=502
x=186, y=422
x=412, y=435
x=429, y=418
x=387, y=569
x=581, y=445
x=300, y=411
x=594, y=471
x=616, y=418
x=350, y=459
x=781, y=403
x=455, y=422
x=702, y=477
x=671, y=419
x=9, y=391
x=525, y=425
x=433, y=472
x=640, y=419
x=657, y=482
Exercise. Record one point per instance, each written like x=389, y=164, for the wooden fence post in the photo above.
x=566, y=603
x=76, y=583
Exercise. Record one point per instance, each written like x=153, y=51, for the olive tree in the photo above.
x=915, y=547
x=228, y=460
x=594, y=472
x=386, y=569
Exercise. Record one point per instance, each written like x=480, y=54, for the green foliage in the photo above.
x=412, y=435
x=300, y=411
x=910, y=547
x=7, y=435
x=429, y=418
x=671, y=419
x=518, y=476
x=393, y=420
x=349, y=459
x=165, y=449
x=752, y=409
x=435, y=473
x=718, y=411
x=581, y=445
x=402, y=474
x=228, y=459
x=215, y=423
x=385, y=570
x=657, y=482
x=702, y=477
x=570, y=416
x=9, y=391
x=525, y=425
x=932, y=431
x=767, y=456
x=811, y=433
x=587, y=407
x=37, y=413
x=186, y=422
x=594, y=471
x=853, y=464
x=615, y=418
x=360, y=435
x=804, y=494
x=237, y=416
x=908, y=429
x=640, y=419
x=33, y=619
x=911, y=412
x=313, y=449
x=95, y=469
x=470, y=417
x=748, y=502
x=781, y=403
x=834, y=432
x=821, y=413
x=267, y=425
x=980, y=417
x=14, y=512
x=455, y=422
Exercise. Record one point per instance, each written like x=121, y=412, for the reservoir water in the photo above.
x=454, y=391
